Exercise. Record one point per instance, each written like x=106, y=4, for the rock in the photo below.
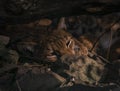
x=13, y=56
x=8, y=55
x=4, y=39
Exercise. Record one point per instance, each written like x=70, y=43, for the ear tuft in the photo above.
x=61, y=24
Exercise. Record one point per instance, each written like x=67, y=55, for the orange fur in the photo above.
x=61, y=43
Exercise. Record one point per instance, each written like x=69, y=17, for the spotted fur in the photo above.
x=61, y=43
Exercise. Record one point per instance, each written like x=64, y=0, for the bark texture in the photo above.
x=28, y=10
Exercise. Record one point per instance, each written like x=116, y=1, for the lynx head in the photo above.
x=60, y=43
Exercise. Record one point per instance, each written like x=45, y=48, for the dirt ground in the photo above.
x=21, y=71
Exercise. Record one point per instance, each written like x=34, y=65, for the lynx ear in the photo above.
x=61, y=24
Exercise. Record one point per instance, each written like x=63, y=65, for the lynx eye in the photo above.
x=68, y=43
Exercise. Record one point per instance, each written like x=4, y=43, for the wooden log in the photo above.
x=20, y=11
